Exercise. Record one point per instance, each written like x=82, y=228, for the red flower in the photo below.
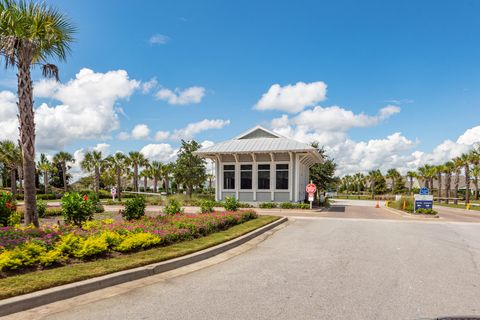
x=8, y=205
x=85, y=197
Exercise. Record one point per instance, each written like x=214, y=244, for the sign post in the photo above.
x=424, y=200
x=311, y=188
x=113, y=191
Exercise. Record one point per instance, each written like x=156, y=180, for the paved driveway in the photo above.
x=321, y=269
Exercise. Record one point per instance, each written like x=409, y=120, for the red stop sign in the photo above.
x=311, y=188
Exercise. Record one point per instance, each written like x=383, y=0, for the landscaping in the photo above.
x=406, y=204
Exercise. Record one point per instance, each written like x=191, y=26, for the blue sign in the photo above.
x=424, y=191
x=423, y=204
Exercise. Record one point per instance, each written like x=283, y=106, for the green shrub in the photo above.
x=48, y=196
x=244, y=205
x=172, y=207
x=91, y=246
x=41, y=208
x=77, y=209
x=427, y=211
x=134, y=208
x=231, y=204
x=267, y=205
x=14, y=219
x=7, y=208
x=409, y=204
x=303, y=206
x=288, y=205
x=137, y=240
x=206, y=206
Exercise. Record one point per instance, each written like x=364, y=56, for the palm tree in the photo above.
x=11, y=157
x=359, y=179
x=30, y=34
x=63, y=158
x=92, y=162
x=449, y=167
x=118, y=163
x=411, y=175
x=45, y=167
x=156, y=171
x=466, y=157
x=440, y=169
x=145, y=174
x=423, y=174
x=136, y=160
x=167, y=171
x=475, y=173
x=458, y=164
x=346, y=180
x=373, y=177
x=392, y=174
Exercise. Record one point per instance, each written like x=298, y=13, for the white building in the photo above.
x=261, y=166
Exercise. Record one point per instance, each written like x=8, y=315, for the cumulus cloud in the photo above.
x=123, y=136
x=471, y=136
x=158, y=39
x=292, y=98
x=140, y=131
x=79, y=154
x=85, y=110
x=161, y=152
x=149, y=85
x=162, y=135
x=181, y=97
x=194, y=128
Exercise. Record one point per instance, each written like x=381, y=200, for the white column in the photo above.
x=297, y=178
x=237, y=176
x=272, y=176
x=254, y=177
x=290, y=176
x=218, y=179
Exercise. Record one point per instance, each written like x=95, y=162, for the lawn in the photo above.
x=29, y=282
x=458, y=206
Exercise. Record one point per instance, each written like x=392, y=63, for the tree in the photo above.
x=323, y=174
x=359, y=180
x=466, y=157
x=118, y=162
x=474, y=159
x=411, y=175
x=449, y=167
x=377, y=182
x=30, y=34
x=156, y=171
x=475, y=173
x=11, y=157
x=63, y=158
x=392, y=174
x=92, y=162
x=440, y=169
x=136, y=160
x=45, y=167
x=457, y=164
x=167, y=170
x=190, y=169
x=145, y=174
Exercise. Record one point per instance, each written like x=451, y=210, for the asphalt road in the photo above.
x=321, y=268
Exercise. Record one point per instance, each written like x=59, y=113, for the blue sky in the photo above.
x=421, y=56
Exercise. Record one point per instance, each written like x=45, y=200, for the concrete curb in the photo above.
x=35, y=299
x=412, y=216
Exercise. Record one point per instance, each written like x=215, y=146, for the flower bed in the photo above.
x=28, y=249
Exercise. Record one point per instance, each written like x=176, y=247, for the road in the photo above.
x=317, y=268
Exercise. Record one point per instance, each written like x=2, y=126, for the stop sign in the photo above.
x=311, y=188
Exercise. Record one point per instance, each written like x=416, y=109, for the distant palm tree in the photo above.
x=167, y=171
x=373, y=177
x=45, y=167
x=359, y=180
x=439, y=170
x=475, y=173
x=449, y=167
x=145, y=174
x=92, y=162
x=423, y=174
x=466, y=157
x=118, y=163
x=31, y=33
x=136, y=160
x=392, y=174
x=63, y=158
x=458, y=165
x=156, y=171
x=11, y=157
x=411, y=175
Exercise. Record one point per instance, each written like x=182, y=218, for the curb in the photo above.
x=42, y=297
x=412, y=216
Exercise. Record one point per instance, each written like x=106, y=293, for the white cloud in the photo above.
x=162, y=135
x=471, y=136
x=194, y=128
x=149, y=85
x=160, y=152
x=292, y=98
x=79, y=154
x=140, y=131
x=123, y=136
x=207, y=143
x=8, y=116
x=180, y=97
x=158, y=39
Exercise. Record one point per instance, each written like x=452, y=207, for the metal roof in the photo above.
x=261, y=144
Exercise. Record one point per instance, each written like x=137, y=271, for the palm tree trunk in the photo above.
x=410, y=186
x=439, y=178
x=20, y=178
x=97, y=179
x=467, y=184
x=155, y=184
x=476, y=187
x=448, y=181
x=135, y=178
x=145, y=182
x=167, y=182
x=189, y=191
x=64, y=177
x=13, y=183
x=45, y=181
x=27, y=130
x=457, y=180
x=119, y=184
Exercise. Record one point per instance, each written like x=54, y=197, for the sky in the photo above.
x=379, y=84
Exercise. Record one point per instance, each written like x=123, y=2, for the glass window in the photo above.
x=246, y=176
x=282, y=176
x=229, y=176
x=263, y=176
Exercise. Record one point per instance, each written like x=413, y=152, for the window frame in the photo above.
x=251, y=177
x=288, y=175
x=234, y=175
x=269, y=176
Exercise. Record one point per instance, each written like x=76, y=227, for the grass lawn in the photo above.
x=38, y=280
x=458, y=206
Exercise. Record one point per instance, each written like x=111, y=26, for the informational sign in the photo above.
x=310, y=197
x=311, y=188
x=113, y=191
x=424, y=191
x=423, y=201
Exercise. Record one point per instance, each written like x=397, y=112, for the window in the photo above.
x=246, y=176
x=282, y=176
x=229, y=177
x=263, y=176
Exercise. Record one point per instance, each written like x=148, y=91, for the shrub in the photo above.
x=231, y=204
x=303, y=206
x=288, y=205
x=206, y=206
x=14, y=219
x=267, y=205
x=409, y=204
x=134, y=208
x=91, y=246
x=172, y=207
x=137, y=240
x=77, y=209
x=7, y=208
x=244, y=205
x=427, y=211
x=41, y=208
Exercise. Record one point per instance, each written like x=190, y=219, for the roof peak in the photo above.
x=258, y=132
